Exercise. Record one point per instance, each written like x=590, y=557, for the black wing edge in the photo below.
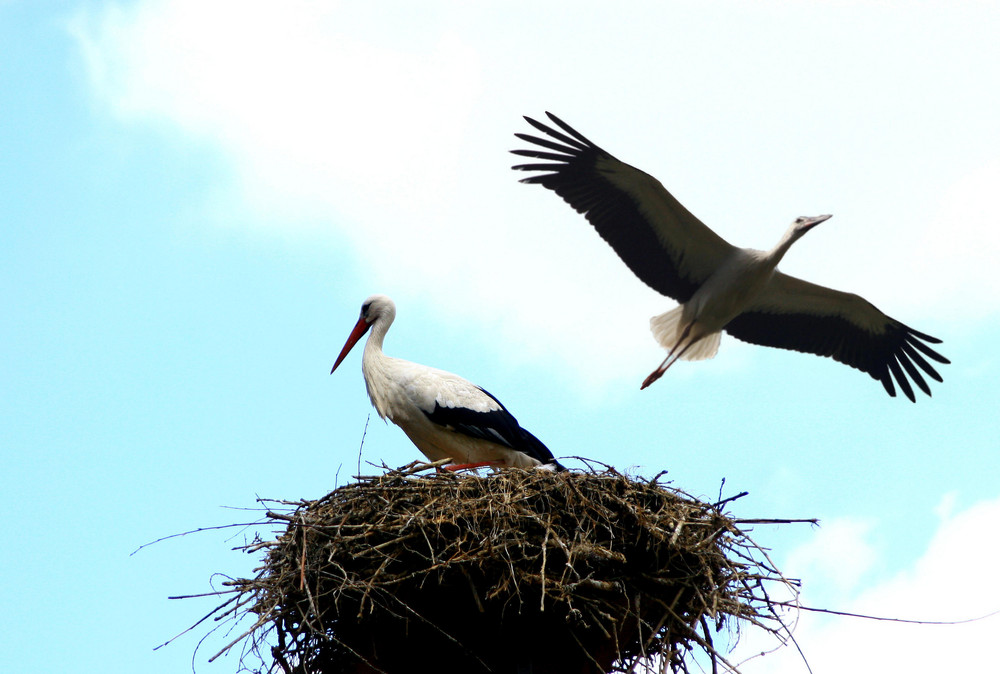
x=498, y=426
x=538, y=450
x=894, y=358
x=575, y=153
x=571, y=173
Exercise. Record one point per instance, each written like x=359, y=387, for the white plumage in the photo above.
x=721, y=287
x=444, y=415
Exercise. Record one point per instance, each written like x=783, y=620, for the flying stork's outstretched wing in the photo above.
x=802, y=316
x=663, y=244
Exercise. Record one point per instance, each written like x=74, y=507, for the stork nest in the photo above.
x=515, y=571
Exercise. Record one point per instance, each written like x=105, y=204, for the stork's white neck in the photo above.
x=383, y=313
x=374, y=366
x=773, y=256
x=376, y=334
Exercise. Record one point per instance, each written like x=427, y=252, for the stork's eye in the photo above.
x=365, y=307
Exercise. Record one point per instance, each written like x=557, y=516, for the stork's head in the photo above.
x=377, y=308
x=794, y=232
x=804, y=223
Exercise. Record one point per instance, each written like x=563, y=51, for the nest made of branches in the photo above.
x=515, y=571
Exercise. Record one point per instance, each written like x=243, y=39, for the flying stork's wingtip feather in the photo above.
x=526, y=137
x=538, y=154
x=552, y=116
x=904, y=383
x=926, y=350
x=922, y=335
x=574, y=140
x=913, y=372
x=538, y=125
x=534, y=167
x=886, y=379
x=915, y=356
x=570, y=149
x=568, y=129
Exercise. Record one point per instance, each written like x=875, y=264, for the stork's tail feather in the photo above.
x=536, y=449
x=668, y=329
x=706, y=347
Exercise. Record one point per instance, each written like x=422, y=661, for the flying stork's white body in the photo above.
x=444, y=415
x=719, y=286
x=693, y=330
x=720, y=299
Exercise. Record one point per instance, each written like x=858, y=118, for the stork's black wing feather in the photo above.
x=497, y=426
x=663, y=244
x=801, y=316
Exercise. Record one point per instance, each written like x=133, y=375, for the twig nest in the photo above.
x=516, y=571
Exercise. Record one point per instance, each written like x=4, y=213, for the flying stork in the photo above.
x=444, y=415
x=719, y=286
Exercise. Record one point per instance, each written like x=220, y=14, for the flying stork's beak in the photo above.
x=357, y=333
x=812, y=222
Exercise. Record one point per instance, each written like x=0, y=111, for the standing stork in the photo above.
x=719, y=286
x=444, y=415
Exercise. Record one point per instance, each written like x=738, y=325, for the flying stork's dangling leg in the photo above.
x=671, y=357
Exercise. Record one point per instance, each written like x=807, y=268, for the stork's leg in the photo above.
x=671, y=357
x=479, y=464
x=664, y=366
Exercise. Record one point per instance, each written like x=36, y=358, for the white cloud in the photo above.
x=952, y=580
x=373, y=137
x=392, y=127
x=287, y=83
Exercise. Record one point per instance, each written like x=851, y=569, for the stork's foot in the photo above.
x=479, y=464
x=653, y=376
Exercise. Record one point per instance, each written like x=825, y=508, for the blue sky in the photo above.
x=198, y=196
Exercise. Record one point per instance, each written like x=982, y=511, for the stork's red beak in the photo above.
x=357, y=333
